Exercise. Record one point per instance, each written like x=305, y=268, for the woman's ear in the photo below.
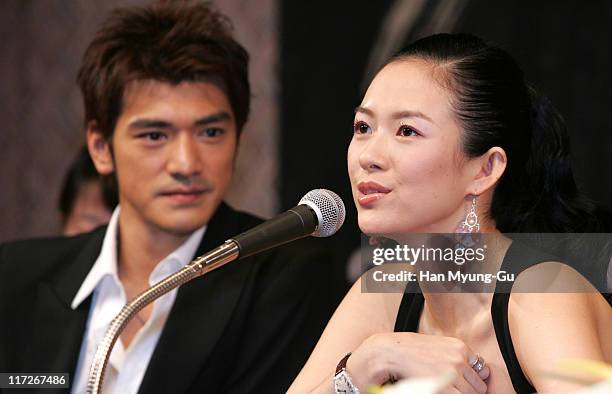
x=489, y=168
x=99, y=149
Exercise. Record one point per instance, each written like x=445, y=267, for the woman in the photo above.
x=449, y=138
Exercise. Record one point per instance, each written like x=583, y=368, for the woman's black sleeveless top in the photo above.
x=518, y=258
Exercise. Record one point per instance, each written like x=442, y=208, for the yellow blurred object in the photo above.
x=597, y=376
x=595, y=368
x=416, y=385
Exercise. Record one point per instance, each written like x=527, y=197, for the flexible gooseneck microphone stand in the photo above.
x=319, y=213
x=210, y=261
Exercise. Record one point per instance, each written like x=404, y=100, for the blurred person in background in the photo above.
x=87, y=199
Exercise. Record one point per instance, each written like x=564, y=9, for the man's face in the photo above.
x=173, y=154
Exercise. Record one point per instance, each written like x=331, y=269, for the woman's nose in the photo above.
x=373, y=156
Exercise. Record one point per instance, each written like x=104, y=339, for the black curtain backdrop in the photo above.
x=563, y=47
x=324, y=49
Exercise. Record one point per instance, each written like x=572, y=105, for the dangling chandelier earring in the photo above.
x=468, y=232
x=470, y=224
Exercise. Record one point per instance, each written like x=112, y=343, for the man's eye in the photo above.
x=153, y=135
x=361, y=128
x=211, y=132
x=407, y=131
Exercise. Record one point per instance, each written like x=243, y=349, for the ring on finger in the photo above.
x=478, y=364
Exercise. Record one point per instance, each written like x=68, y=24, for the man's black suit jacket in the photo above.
x=247, y=327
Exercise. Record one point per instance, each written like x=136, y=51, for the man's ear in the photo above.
x=488, y=169
x=99, y=149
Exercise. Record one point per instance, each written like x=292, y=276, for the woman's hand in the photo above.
x=392, y=356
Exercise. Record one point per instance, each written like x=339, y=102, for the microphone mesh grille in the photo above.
x=331, y=211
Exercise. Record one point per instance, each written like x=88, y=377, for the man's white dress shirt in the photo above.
x=126, y=367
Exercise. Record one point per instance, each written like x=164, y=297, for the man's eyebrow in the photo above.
x=162, y=124
x=214, y=118
x=149, y=124
x=396, y=115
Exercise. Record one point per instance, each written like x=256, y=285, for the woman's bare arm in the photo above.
x=547, y=327
x=359, y=316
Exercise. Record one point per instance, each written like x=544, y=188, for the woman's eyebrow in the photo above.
x=396, y=115
x=411, y=114
x=364, y=110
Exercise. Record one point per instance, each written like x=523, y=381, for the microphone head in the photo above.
x=329, y=209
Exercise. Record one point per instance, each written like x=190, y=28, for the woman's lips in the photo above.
x=367, y=200
x=370, y=192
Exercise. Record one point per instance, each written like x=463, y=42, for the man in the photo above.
x=166, y=95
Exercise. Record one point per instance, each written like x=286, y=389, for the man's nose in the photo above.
x=184, y=157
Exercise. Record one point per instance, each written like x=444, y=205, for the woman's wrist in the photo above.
x=343, y=381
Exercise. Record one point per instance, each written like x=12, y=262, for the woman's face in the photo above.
x=405, y=164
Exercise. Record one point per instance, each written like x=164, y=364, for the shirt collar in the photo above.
x=106, y=264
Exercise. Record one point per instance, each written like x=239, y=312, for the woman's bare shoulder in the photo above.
x=554, y=313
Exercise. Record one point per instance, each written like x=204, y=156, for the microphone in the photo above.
x=319, y=213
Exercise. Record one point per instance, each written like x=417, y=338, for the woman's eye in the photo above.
x=361, y=128
x=407, y=131
x=211, y=132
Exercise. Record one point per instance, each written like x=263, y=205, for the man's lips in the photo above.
x=184, y=195
x=370, y=192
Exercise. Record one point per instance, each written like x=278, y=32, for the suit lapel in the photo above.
x=58, y=330
x=201, y=313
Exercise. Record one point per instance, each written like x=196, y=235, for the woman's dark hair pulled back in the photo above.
x=495, y=107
